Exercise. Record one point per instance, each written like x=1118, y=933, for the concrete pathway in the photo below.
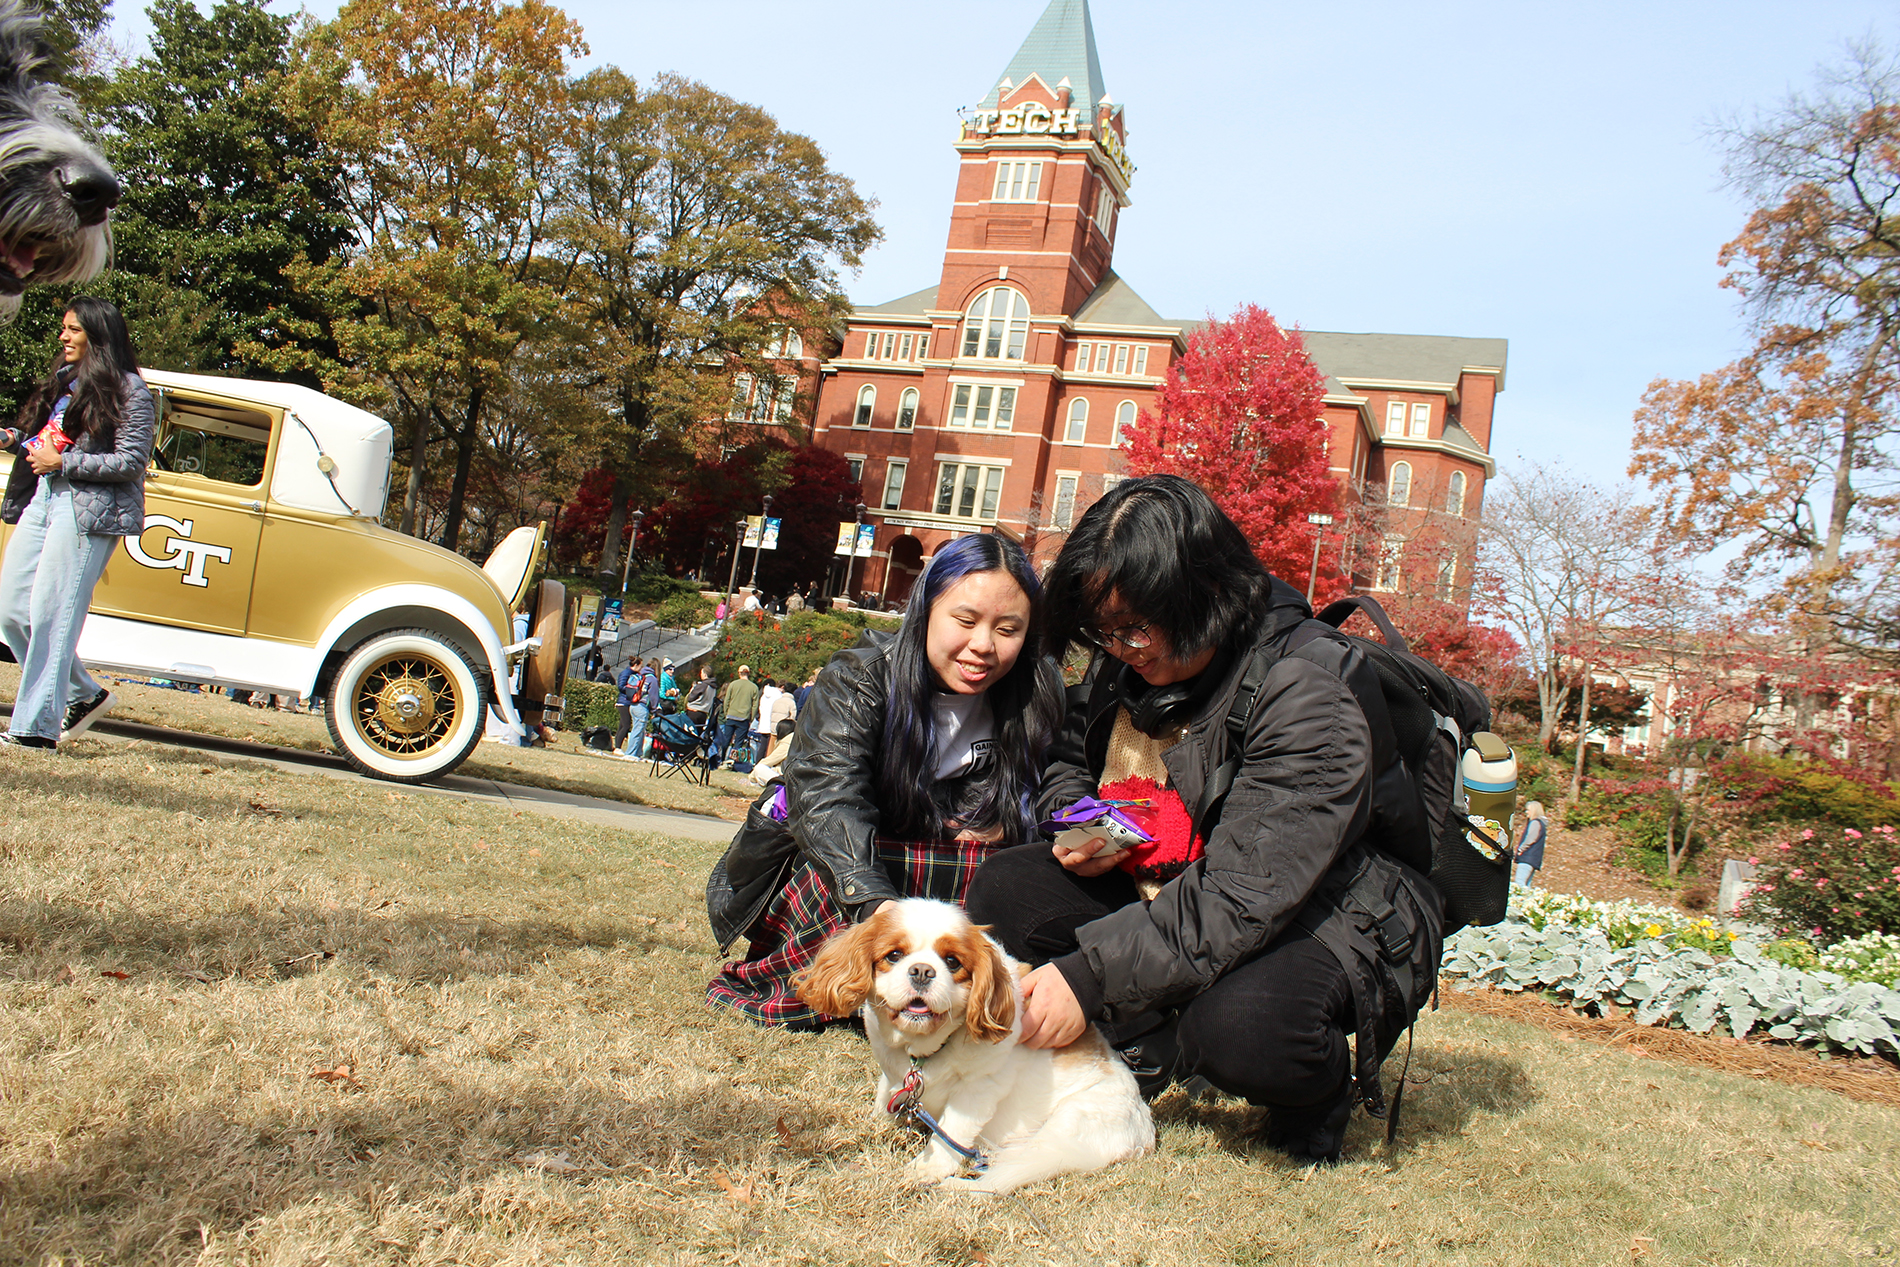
x=534, y=800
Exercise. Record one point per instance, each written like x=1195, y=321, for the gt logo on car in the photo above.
x=186, y=555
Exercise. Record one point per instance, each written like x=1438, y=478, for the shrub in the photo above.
x=783, y=649
x=1831, y=883
x=684, y=611
x=589, y=704
x=647, y=589
x=1785, y=790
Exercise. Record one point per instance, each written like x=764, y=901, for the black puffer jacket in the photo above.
x=830, y=779
x=1301, y=799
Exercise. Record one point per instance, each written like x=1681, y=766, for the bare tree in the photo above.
x=1564, y=553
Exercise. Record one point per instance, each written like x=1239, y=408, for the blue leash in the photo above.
x=907, y=1104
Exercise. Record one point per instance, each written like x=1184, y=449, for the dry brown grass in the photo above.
x=516, y=1067
x=566, y=766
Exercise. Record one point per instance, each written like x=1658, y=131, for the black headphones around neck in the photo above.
x=1157, y=710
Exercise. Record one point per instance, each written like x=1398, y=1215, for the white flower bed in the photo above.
x=1572, y=949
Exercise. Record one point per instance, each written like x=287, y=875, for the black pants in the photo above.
x=625, y=727
x=1274, y=1030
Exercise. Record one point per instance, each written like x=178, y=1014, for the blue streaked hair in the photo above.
x=1026, y=706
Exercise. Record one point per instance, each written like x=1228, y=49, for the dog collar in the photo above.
x=906, y=1104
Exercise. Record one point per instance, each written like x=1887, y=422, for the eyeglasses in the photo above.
x=1134, y=637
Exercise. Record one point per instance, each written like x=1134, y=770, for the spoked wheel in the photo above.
x=406, y=706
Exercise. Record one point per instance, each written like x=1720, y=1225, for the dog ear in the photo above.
x=839, y=979
x=992, y=1008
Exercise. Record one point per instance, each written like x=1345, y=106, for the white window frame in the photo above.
x=1017, y=180
x=1391, y=563
x=854, y=464
x=866, y=406
x=1455, y=488
x=1007, y=332
x=907, y=409
x=1395, y=418
x=785, y=344
x=741, y=397
x=1083, y=351
x=1121, y=359
x=985, y=488
x=1062, y=505
x=870, y=346
x=1421, y=421
x=1399, y=492
x=923, y=346
x=1126, y=412
x=1447, y=578
x=1140, y=369
x=1102, y=352
x=894, y=473
x=903, y=348
x=1076, y=429
x=983, y=406
x=1105, y=203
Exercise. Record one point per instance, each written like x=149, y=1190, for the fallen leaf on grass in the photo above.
x=115, y=974
x=342, y=1073
x=1815, y=1143
x=534, y=853
x=195, y=975
x=1639, y=1246
x=541, y=1159
x=742, y=1195
x=663, y=862
x=1634, y=1050
x=65, y=974
x=268, y=811
x=784, y=1133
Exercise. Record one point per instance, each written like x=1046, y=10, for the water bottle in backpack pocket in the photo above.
x=1472, y=864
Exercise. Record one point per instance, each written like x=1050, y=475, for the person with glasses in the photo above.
x=915, y=757
x=1193, y=951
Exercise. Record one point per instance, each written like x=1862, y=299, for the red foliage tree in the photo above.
x=1240, y=416
x=812, y=491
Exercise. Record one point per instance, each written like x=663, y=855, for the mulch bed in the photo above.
x=1857, y=1077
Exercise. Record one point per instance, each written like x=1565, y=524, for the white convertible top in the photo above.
x=356, y=442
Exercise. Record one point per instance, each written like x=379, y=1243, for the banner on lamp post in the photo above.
x=768, y=539
x=847, y=533
x=754, y=525
x=867, y=536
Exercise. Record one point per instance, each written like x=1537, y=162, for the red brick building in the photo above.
x=994, y=399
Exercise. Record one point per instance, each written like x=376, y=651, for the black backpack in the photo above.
x=1385, y=928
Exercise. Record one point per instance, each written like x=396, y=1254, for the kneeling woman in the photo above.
x=1209, y=954
x=916, y=757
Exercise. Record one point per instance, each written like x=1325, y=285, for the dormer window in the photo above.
x=1017, y=182
x=997, y=326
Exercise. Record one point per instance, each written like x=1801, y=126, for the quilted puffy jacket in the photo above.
x=108, y=480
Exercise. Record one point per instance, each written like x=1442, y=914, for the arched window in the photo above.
x=907, y=409
x=1078, y=421
x=997, y=325
x=1124, y=419
x=1455, y=493
x=867, y=400
x=1398, y=490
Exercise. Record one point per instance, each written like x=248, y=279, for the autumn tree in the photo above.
x=696, y=233
x=1239, y=415
x=1787, y=452
x=450, y=117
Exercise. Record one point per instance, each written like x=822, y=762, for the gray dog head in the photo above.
x=55, y=188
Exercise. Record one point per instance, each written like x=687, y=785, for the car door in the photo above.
x=204, y=510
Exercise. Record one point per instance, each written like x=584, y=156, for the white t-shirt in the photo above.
x=964, y=730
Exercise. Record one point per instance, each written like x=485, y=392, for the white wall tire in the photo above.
x=406, y=706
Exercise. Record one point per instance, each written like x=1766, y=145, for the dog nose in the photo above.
x=93, y=194
x=922, y=974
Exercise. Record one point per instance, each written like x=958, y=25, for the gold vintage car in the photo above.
x=264, y=566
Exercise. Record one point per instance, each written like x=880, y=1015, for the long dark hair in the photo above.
x=1173, y=557
x=97, y=381
x=1026, y=706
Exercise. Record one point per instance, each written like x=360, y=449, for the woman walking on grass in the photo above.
x=915, y=757
x=77, y=486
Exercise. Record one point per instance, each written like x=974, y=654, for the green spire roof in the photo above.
x=1061, y=46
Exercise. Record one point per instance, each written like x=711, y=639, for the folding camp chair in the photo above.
x=680, y=747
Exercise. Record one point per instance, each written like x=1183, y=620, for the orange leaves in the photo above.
x=341, y=1074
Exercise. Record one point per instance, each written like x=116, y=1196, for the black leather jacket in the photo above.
x=830, y=779
x=1301, y=799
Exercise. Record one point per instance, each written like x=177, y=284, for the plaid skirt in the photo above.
x=804, y=915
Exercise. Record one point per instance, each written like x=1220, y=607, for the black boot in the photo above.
x=1314, y=1135
x=1154, y=1057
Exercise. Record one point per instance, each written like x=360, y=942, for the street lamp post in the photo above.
x=1320, y=524
x=759, y=549
x=851, y=563
x=632, y=542
x=732, y=577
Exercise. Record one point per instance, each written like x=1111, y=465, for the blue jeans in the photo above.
x=729, y=732
x=46, y=584
x=1524, y=872
x=636, y=729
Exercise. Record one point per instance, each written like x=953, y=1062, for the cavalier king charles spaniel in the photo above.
x=942, y=1006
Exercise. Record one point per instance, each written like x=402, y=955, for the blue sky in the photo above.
x=1538, y=172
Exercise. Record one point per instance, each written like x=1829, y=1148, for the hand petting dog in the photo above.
x=942, y=1006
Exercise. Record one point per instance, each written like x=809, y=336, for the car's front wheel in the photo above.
x=406, y=705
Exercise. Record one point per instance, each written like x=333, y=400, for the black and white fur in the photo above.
x=56, y=190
